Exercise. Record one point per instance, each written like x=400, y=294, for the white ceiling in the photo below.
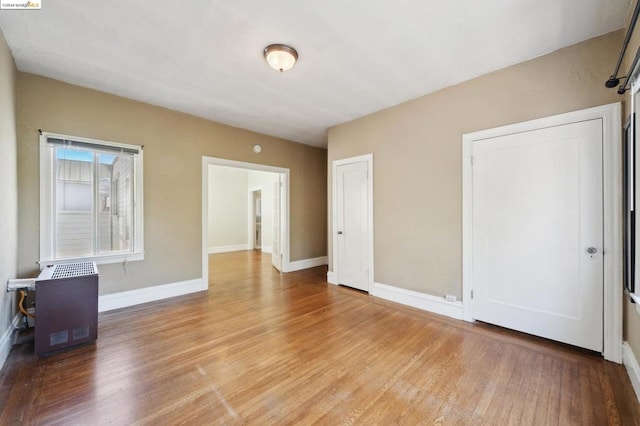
x=204, y=57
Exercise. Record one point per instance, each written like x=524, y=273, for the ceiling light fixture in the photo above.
x=280, y=56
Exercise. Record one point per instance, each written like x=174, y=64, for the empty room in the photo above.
x=289, y=212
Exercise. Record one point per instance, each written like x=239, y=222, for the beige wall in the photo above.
x=631, y=328
x=417, y=149
x=8, y=185
x=174, y=144
x=228, y=206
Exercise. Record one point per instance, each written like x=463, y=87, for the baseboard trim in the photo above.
x=109, y=302
x=633, y=369
x=331, y=278
x=5, y=340
x=228, y=249
x=266, y=249
x=426, y=302
x=298, y=265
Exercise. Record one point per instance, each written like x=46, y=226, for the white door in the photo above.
x=538, y=232
x=276, y=253
x=352, y=225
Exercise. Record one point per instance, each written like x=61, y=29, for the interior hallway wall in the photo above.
x=228, y=206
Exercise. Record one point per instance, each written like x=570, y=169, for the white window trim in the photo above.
x=635, y=89
x=47, y=249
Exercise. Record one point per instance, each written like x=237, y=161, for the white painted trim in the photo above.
x=205, y=218
x=102, y=259
x=251, y=229
x=297, y=265
x=635, y=88
x=5, y=340
x=331, y=278
x=368, y=159
x=633, y=369
x=206, y=162
x=285, y=239
x=47, y=191
x=612, y=200
x=636, y=301
x=228, y=249
x=109, y=302
x=266, y=249
x=426, y=302
x=612, y=190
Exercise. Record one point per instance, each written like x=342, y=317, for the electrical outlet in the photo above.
x=450, y=298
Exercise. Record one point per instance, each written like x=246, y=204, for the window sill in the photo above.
x=636, y=299
x=100, y=260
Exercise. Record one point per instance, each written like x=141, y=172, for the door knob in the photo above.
x=592, y=250
x=339, y=232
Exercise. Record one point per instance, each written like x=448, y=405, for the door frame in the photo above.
x=252, y=219
x=334, y=276
x=285, y=216
x=612, y=212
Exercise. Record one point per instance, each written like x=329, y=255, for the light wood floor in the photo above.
x=264, y=348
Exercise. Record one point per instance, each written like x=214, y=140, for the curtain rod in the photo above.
x=624, y=87
x=614, y=80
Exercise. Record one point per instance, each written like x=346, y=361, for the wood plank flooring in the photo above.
x=265, y=348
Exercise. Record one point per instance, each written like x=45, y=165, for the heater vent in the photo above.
x=70, y=270
x=58, y=337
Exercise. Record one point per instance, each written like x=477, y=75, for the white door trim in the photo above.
x=251, y=219
x=213, y=161
x=612, y=199
x=368, y=159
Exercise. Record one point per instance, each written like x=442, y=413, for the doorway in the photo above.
x=541, y=207
x=255, y=219
x=249, y=217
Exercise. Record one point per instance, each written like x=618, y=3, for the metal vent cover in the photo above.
x=70, y=270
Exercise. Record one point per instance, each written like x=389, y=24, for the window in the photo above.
x=90, y=200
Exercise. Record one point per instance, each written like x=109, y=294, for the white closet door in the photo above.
x=538, y=233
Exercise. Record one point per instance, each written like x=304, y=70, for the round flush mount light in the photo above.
x=280, y=56
x=257, y=149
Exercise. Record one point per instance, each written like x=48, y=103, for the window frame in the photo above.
x=47, y=204
x=628, y=222
x=635, y=93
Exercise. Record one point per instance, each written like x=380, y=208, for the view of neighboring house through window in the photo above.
x=92, y=200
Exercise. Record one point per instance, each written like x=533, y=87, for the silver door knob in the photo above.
x=339, y=232
x=592, y=250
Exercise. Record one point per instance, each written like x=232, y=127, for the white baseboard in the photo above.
x=331, y=278
x=633, y=369
x=307, y=263
x=266, y=249
x=426, y=302
x=228, y=249
x=5, y=340
x=109, y=302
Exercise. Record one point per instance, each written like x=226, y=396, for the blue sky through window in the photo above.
x=80, y=155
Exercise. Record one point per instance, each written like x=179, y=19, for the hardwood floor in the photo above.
x=265, y=348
